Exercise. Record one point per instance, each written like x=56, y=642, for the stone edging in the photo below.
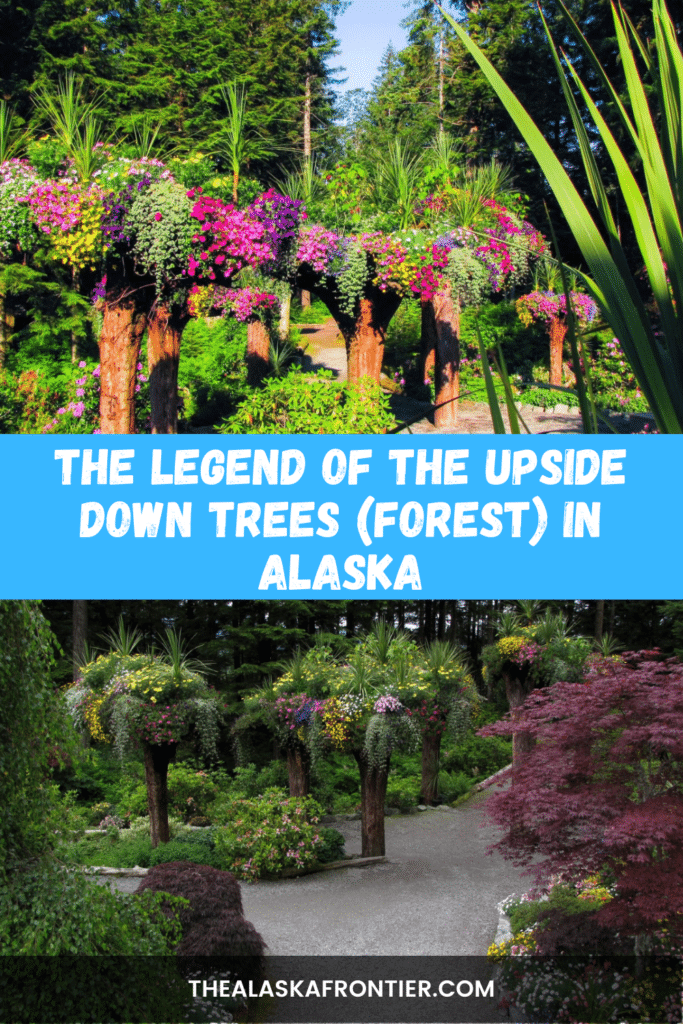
x=348, y=862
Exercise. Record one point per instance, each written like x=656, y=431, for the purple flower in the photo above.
x=81, y=380
x=96, y=372
x=80, y=392
x=81, y=365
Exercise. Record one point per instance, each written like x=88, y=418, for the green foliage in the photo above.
x=316, y=313
x=34, y=734
x=250, y=781
x=478, y=756
x=331, y=846
x=134, y=849
x=191, y=792
x=403, y=793
x=212, y=371
x=352, y=279
x=304, y=404
x=161, y=219
x=268, y=834
x=653, y=349
x=45, y=910
x=468, y=276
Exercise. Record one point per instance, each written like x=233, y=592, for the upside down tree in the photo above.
x=525, y=658
x=148, y=703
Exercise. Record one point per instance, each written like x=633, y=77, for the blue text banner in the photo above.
x=258, y=516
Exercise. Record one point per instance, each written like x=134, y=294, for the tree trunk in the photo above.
x=258, y=352
x=599, y=620
x=365, y=348
x=307, y=119
x=122, y=329
x=299, y=771
x=427, y=341
x=441, y=324
x=164, y=332
x=431, y=752
x=157, y=759
x=373, y=793
x=79, y=635
x=76, y=284
x=6, y=327
x=557, y=332
x=305, y=298
x=522, y=742
x=364, y=334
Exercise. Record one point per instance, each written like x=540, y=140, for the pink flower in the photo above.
x=81, y=365
x=157, y=216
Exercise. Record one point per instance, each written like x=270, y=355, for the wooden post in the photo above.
x=373, y=793
x=258, y=352
x=557, y=331
x=122, y=329
x=440, y=339
x=157, y=759
x=164, y=332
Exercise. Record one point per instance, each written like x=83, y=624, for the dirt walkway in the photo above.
x=326, y=350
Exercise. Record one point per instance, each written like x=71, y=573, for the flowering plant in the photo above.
x=227, y=240
x=265, y=836
x=17, y=233
x=141, y=698
x=246, y=304
x=71, y=214
x=548, y=306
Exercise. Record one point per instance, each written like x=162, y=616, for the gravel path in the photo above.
x=436, y=895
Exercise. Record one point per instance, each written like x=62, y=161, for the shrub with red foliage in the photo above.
x=603, y=788
x=213, y=924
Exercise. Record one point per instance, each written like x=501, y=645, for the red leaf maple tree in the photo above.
x=602, y=791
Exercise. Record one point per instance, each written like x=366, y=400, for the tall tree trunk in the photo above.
x=373, y=793
x=441, y=326
x=557, y=332
x=299, y=771
x=599, y=620
x=522, y=742
x=165, y=328
x=122, y=329
x=308, y=154
x=258, y=352
x=79, y=635
x=6, y=325
x=76, y=284
x=364, y=334
x=427, y=341
x=307, y=119
x=431, y=758
x=365, y=348
x=157, y=759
